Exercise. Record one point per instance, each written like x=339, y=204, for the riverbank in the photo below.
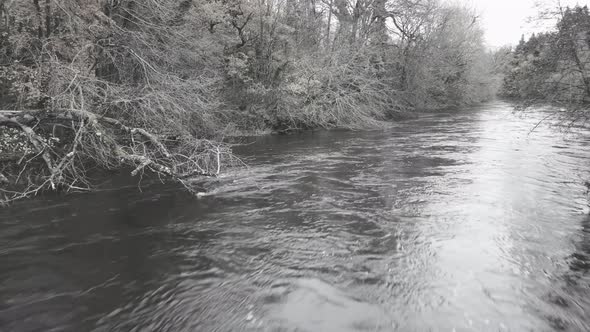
x=43, y=159
x=157, y=86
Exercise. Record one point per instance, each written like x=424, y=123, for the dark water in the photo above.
x=459, y=222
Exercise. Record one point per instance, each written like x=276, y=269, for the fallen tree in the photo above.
x=106, y=85
x=59, y=161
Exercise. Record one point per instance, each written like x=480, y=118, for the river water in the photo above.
x=449, y=222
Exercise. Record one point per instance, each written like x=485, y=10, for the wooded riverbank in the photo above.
x=156, y=85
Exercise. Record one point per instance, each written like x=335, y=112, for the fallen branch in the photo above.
x=95, y=118
x=35, y=140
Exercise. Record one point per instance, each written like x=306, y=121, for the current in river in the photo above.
x=465, y=221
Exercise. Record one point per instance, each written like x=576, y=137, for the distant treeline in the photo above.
x=552, y=67
x=151, y=84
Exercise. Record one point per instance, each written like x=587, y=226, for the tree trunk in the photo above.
x=329, y=24
x=4, y=15
x=47, y=18
x=39, y=18
x=356, y=14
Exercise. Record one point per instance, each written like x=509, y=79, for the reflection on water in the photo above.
x=447, y=222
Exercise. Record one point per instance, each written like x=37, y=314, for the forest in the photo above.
x=552, y=67
x=159, y=85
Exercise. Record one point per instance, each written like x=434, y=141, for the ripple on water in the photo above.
x=313, y=305
x=462, y=221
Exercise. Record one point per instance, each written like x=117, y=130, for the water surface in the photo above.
x=450, y=222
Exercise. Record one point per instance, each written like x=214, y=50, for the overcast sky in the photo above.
x=506, y=20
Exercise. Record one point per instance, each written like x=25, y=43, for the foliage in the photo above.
x=554, y=66
x=155, y=84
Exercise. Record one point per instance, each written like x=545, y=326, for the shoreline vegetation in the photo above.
x=552, y=68
x=158, y=85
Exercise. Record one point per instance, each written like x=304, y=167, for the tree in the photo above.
x=154, y=85
x=97, y=85
x=555, y=66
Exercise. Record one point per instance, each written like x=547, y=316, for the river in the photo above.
x=449, y=222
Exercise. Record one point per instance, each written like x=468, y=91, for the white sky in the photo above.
x=506, y=20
